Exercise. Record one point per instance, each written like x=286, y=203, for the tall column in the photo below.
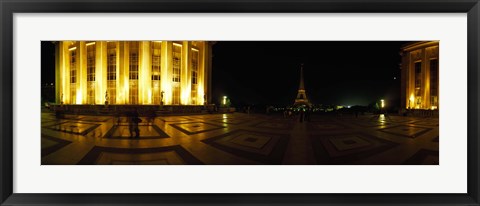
x=125, y=73
x=166, y=73
x=145, y=76
x=100, y=71
x=186, y=74
x=78, y=99
x=426, y=78
x=82, y=73
x=65, y=71
x=412, y=78
x=201, y=73
x=120, y=67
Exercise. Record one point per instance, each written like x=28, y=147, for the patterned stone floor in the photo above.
x=241, y=139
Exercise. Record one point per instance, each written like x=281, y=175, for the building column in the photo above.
x=144, y=73
x=65, y=72
x=201, y=73
x=185, y=74
x=166, y=73
x=82, y=73
x=100, y=71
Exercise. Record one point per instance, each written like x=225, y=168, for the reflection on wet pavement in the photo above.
x=240, y=139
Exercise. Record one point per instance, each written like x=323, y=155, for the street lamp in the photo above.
x=383, y=103
x=224, y=100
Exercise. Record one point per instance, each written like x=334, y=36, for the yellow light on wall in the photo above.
x=149, y=101
x=183, y=97
x=73, y=48
x=90, y=44
x=79, y=96
x=200, y=95
x=411, y=100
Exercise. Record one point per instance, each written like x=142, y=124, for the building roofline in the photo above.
x=415, y=45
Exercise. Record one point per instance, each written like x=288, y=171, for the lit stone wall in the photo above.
x=133, y=72
x=420, y=75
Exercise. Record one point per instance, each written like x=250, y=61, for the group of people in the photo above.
x=303, y=114
x=133, y=120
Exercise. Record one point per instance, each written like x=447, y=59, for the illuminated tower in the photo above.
x=301, y=96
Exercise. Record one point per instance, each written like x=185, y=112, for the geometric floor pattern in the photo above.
x=345, y=148
x=406, y=130
x=175, y=155
x=240, y=139
x=51, y=144
x=145, y=131
x=266, y=148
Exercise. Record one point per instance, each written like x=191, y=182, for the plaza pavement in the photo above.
x=241, y=139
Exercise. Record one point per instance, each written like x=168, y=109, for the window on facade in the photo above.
x=434, y=82
x=133, y=55
x=177, y=59
x=176, y=94
x=156, y=69
x=418, y=78
x=73, y=75
x=73, y=66
x=111, y=72
x=91, y=73
x=112, y=61
x=195, y=58
x=133, y=72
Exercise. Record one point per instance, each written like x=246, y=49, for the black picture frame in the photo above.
x=10, y=7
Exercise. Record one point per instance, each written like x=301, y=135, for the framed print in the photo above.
x=257, y=103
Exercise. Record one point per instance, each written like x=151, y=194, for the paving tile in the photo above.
x=239, y=138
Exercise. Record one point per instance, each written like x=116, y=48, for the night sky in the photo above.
x=340, y=73
x=267, y=72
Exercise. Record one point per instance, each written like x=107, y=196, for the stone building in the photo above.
x=133, y=72
x=420, y=76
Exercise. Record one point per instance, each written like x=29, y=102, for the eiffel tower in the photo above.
x=301, y=96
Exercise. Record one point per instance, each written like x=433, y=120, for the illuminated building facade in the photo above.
x=420, y=75
x=133, y=72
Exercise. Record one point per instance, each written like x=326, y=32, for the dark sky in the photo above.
x=341, y=73
x=267, y=72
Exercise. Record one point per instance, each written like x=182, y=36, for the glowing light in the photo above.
x=73, y=48
x=194, y=49
x=383, y=103
x=224, y=116
x=158, y=41
x=90, y=44
x=224, y=100
x=79, y=96
x=434, y=107
x=149, y=96
x=177, y=44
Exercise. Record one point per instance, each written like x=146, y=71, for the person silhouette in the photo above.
x=136, y=120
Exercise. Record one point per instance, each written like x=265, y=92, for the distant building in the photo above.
x=133, y=72
x=419, y=71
